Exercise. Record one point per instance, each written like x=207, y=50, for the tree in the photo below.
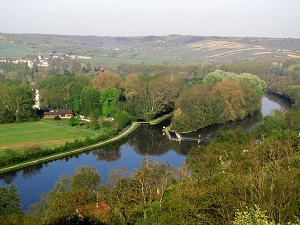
x=107, y=80
x=90, y=101
x=152, y=96
x=141, y=194
x=15, y=103
x=109, y=98
x=73, y=200
x=123, y=118
x=10, y=201
x=255, y=216
x=72, y=121
x=86, y=177
x=233, y=97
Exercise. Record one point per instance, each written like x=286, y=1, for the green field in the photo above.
x=22, y=135
x=10, y=50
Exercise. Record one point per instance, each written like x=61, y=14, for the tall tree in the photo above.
x=109, y=98
x=10, y=201
x=107, y=79
x=90, y=102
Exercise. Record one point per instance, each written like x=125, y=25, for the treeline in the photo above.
x=279, y=76
x=219, y=98
x=147, y=91
x=187, y=71
x=16, y=103
x=107, y=94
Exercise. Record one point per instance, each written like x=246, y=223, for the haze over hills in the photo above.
x=172, y=49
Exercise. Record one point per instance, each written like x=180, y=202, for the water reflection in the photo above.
x=107, y=156
x=8, y=178
x=32, y=170
x=149, y=140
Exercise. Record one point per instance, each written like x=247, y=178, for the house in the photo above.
x=62, y=113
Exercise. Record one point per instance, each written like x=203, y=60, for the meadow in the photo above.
x=44, y=134
x=10, y=50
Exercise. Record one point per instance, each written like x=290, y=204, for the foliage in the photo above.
x=145, y=70
x=15, y=103
x=149, y=97
x=259, y=85
x=221, y=98
x=86, y=177
x=90, y=101
x=253, y=217
x=123, y=118
x=273, y=126
x=109, y=101
x=107, y=80
x=72, y=121
x=73, y=200
x=10, y=201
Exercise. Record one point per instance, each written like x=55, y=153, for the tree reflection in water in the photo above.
x=9, y=177
x=149, y=140
x=110, y=152
x=32, y=170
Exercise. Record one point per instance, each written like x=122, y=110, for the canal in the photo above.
x=147, y=141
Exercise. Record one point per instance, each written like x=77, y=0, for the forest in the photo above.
x=239, y=178
x=143, y=92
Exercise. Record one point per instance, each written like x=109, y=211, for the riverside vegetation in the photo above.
x=239, y=178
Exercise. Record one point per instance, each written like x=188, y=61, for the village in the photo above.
x=42, y=61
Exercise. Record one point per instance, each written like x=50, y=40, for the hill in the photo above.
x=172, y=49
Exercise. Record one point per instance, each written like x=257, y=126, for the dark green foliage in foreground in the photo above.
x=9, y=200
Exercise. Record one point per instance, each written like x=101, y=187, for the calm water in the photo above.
x=147, y=141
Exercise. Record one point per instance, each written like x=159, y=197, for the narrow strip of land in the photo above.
x=133, y=127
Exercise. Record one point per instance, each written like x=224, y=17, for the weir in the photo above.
x=174, y=136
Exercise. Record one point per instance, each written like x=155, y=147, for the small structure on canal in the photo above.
x=174, y=136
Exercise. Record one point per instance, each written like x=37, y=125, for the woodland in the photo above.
x=239, y=178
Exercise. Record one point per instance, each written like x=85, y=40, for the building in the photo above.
x=62, y=113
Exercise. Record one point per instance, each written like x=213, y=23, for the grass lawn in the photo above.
x=22, y=135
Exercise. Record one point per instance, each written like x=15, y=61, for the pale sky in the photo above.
x=252, y=18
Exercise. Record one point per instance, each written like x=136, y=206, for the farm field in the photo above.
x=23, y=135
x=9, y=50
x=172, y=49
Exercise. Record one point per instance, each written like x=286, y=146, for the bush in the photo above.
x=123, y=118
x=57, y=118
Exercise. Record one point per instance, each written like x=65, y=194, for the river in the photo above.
x=146, y=141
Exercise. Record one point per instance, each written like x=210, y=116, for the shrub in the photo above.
x=57, y=118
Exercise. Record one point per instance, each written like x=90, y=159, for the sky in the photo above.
x=231, y=18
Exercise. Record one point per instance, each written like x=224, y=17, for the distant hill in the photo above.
x=173, y=49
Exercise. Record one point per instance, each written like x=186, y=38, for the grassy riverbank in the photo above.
x=29, y=135
x=35, y=161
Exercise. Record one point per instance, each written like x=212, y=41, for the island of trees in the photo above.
x=239, y=178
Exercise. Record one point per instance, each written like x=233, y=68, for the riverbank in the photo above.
x=125, y=133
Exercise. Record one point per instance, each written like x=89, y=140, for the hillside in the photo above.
x=172, y=49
